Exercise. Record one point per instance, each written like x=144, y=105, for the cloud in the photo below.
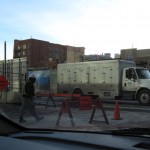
x=96, y=27
x=100, y=26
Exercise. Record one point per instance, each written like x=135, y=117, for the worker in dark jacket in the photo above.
x=27, y=100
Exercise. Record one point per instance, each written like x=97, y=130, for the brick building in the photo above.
x=141, y=56
x=96, y=57
x=129, y=54
x=45, y=54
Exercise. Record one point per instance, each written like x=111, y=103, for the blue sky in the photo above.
x=101, y=26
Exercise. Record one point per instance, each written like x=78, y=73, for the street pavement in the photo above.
x=127, y=119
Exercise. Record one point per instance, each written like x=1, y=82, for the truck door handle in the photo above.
x=124, y=84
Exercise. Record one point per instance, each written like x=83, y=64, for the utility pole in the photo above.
x=5, y=68
x=5, y=59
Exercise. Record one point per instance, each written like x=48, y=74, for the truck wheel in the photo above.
x=78, y=91
x=144, y=97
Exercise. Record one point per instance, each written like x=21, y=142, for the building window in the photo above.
x=28, y=52
x=28, y=46
x=18, y=53
x=24, y=46
x=24, y=52
x=18, y=47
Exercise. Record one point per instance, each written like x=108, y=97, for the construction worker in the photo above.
x=28, y=100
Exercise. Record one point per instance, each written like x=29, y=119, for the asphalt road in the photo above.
x=133, y=116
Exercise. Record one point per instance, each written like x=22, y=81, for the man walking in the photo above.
x=27, y=100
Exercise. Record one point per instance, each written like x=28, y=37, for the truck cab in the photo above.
x=136, y=84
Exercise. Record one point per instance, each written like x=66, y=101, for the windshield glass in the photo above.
x=143, y=73
x=62, y=62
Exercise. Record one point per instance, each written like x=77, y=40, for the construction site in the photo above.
x=63, y=110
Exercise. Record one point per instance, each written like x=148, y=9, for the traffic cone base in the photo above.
x=116, y=112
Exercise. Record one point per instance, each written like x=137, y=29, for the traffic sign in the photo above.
x=3, y=83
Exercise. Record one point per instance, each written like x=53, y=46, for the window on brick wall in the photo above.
x=24, y=53
x=28, y=52
x=28, y=46
x=24, y=46
x=18, y=47
x=19, y=53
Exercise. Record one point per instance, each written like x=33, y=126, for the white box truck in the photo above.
x=108, y=79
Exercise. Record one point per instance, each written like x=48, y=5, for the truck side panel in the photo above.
x=101, y=78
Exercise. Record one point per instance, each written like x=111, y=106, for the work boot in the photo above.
x=39, y=118
x=21, y=120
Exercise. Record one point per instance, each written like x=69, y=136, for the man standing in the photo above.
x=27, y=100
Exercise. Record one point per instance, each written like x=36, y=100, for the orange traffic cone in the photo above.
x=117, y=112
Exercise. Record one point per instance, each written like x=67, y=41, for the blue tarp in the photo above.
x=42, y=79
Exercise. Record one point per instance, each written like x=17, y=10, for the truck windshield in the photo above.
x=143, y=73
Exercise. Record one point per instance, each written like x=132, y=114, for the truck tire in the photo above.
x=78, y=91
x=144, y=97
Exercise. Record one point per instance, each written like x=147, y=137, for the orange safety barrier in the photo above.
x=65, y=109
x=74, y=97
x=49, y=97
x=85, y=102
x=65, y=95
x=57, y=95
x=76, y=100
x=97, y=104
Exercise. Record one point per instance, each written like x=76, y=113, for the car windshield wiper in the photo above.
x=132, y=132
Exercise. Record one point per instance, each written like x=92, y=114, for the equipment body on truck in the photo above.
x=108, y=79
x=46, y=80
